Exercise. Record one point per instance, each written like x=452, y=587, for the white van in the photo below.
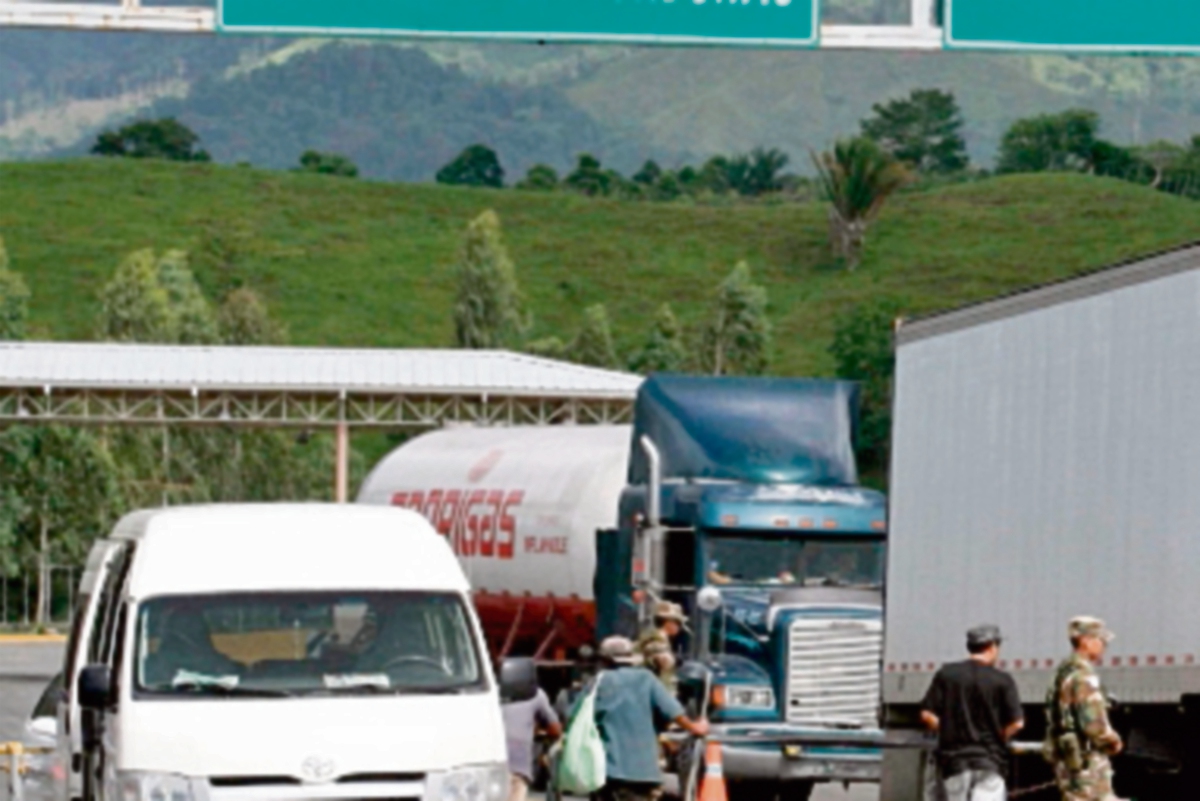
x=261, y=652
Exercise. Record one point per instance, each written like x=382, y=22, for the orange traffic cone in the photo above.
x=712, y=788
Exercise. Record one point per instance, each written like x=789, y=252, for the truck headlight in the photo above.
x=745, y=697
x=137, y=785
x=475, y=783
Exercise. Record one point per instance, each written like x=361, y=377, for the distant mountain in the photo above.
x=395, y=111
x=401, y=109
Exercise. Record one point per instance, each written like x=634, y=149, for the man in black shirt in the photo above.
x=975, y=710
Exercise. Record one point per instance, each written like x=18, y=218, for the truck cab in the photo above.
x=782, y=582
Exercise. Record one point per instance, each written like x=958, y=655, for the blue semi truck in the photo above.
x=737, y=498
x=743, y=506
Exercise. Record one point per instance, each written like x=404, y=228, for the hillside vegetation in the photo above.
x=357, y=263
x=403, y=115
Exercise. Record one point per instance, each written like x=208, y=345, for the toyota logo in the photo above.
x=317, y=769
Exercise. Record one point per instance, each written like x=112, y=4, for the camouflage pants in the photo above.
x=1093, y=783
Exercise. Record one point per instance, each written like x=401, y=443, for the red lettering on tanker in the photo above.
x=477, y=522
x=556, y=545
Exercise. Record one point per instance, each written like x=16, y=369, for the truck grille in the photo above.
x=833, y=671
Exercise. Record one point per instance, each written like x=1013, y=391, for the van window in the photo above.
x=100, y=645
x=47, y=705
x=299, y=643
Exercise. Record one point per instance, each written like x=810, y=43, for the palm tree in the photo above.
x=857, y=177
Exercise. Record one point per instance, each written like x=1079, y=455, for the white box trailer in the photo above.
x=1046, y=464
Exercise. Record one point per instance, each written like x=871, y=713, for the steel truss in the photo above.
x=84, y=406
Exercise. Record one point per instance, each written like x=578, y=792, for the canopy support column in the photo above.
x=341, y=474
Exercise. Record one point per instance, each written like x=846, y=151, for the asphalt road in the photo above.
x=25, y=669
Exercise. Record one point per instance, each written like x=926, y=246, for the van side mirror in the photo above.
x=518, y=680
x=95, y=687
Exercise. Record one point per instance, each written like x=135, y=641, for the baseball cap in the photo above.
x=984, y=635
x=1086, y=626
x=618, y=650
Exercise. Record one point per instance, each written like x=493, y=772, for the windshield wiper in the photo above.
x=446, y=689
x=224, y=690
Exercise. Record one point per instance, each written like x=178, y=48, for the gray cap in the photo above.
x=982, y=636
x=618, y=650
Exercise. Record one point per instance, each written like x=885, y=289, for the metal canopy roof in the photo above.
x=108, y=382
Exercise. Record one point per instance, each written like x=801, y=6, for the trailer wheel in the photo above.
x=1191, y=746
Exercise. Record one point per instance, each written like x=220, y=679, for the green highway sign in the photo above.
x=1101, y=26
x=761, y=23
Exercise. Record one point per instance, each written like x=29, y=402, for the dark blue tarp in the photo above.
x=756, y=430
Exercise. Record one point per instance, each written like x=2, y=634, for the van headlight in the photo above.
x=736, y=696
x=137, y=785
x=475, y=783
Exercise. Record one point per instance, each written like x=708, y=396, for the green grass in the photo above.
x=354, y=263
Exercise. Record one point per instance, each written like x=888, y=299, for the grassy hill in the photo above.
x=357, y=263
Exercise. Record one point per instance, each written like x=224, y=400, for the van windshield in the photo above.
x=299, y=643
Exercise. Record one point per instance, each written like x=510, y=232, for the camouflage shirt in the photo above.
x=655, y=649
x=1082, y=707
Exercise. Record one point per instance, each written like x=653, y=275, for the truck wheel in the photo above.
x=770, y=791
x=796, y=791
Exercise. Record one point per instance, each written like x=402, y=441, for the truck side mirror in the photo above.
x=95, y=687
x=518, y=680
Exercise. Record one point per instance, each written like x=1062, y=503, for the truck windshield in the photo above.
x=295, y=643
x=801, y=562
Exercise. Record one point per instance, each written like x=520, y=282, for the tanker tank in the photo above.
x=520, y=506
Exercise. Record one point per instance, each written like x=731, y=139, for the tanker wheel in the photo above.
x=769, y=791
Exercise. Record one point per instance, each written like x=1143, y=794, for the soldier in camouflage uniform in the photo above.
x=1079, y=738
x=654, y=646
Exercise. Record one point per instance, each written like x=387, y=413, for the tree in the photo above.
x=540, y=177
x=14, y=299
x=762, y=170
x=1115, y=161
x=589, y=177
x=192, y=321
x=135, y=307
x=165, y=138
x=328, y=164
x=857, y=177
x=67, y=483
x=488, y=307
x=1160, y=156
x=862, y=351
x=1064, y=141
x=664, y=350
x=923, y=130
x=243, y=320
x=649, y=174
x=477, y=165
x=737, y=337
x=593, y=344
x=153, y=298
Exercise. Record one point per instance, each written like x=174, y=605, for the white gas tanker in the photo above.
x=521, y=507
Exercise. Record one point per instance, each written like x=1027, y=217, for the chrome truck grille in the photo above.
x=833, y=672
